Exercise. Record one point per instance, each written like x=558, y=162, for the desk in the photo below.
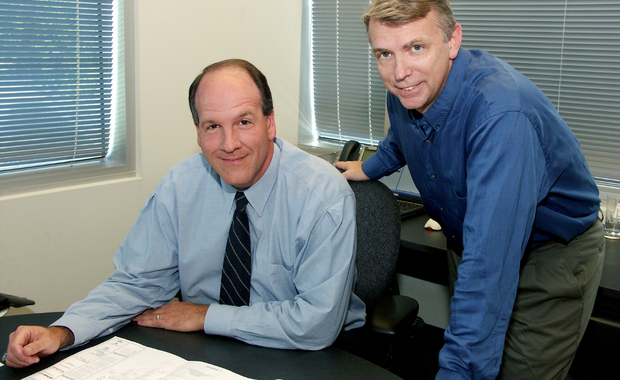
x=247, y=360
x=422, y=252
x=423, y=256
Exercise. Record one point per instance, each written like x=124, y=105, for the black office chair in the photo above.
x=391, y=318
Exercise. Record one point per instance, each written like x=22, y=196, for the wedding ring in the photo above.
x=157, y=316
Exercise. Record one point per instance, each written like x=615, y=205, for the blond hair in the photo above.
x=398, y=12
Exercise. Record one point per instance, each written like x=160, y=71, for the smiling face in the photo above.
x=234, y=135
x=413, y=59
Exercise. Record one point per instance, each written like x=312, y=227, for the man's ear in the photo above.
x=455, y=40
x=271, y=125
x=197, y=134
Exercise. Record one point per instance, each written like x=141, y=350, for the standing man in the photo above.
x=503, y=174
x=298, y=222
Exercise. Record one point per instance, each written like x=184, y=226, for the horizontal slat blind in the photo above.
x=55, y=82
x=348, y=95
x=571, y=50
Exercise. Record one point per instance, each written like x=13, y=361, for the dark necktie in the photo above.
x=235, y=289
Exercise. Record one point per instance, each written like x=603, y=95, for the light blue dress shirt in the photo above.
x=302, y=224
x=501, y=171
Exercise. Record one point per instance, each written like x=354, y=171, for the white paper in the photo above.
x=120, y=358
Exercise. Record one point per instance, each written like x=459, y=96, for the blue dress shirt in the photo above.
x=302, y=224
x=501, y=172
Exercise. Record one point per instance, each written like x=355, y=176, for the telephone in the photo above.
x=350, y=151
x=7, y=301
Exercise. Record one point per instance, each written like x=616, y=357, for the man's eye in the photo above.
x=385, y=54
x=416, y=47
x=244, y=122
x=211, y=127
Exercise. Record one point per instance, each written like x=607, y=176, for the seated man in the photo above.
x=301, y=222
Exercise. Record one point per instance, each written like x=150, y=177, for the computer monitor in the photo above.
x=400, y=182
x=366, y=151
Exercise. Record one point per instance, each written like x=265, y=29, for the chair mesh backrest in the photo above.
x=378, y=239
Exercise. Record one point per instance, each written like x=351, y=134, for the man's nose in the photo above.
x=401, y=69
x=230, y=139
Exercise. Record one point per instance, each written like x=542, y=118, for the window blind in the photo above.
x=55, y=82
x=571, y=50
x=347, y=93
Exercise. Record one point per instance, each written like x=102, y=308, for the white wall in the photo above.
x=57, y=245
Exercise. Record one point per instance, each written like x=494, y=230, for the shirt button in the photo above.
x=427, y=141
x=433, y=176
x=437, y=127
x=441, y=209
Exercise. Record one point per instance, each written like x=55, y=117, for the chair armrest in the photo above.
x=393, y=315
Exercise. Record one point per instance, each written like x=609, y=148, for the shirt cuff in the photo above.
x=372, y=171
x=82, y=330
x=218, y=320
x=446, y=374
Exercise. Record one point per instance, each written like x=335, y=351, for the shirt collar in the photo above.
x=438, y=112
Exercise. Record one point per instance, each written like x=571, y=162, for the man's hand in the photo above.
x=177, y=316
x=352, y=170
x=30, y=343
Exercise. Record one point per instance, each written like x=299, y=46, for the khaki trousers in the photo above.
x=555, y=296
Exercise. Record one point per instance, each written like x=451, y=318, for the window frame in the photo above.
x=120, y=162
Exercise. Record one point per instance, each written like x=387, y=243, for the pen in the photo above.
x=3, y=360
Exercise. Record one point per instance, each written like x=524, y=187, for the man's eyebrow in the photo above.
x=240, y=116
x=208, y=122
x=244, y=114
x=379, y=50
x=414, y=41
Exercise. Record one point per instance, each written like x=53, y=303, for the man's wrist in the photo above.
x=65, y=335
